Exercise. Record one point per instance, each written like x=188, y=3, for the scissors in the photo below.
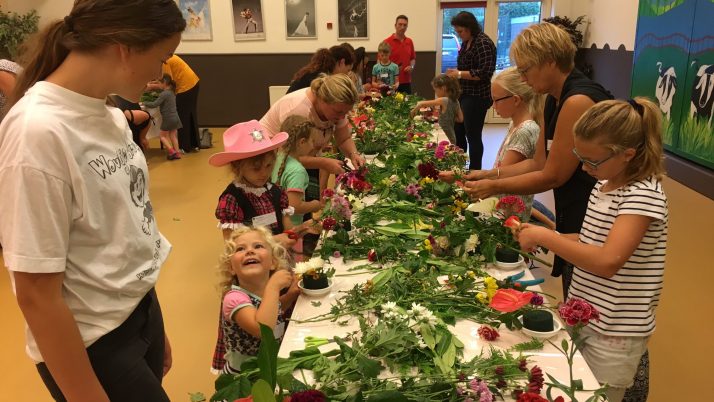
x=515, y=279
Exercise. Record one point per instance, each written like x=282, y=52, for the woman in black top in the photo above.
x=476, y=63
x=335, y=60
x=545, y=57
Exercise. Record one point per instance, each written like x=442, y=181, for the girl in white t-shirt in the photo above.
x=78, y=232
x=619, y=253
x=254, y=268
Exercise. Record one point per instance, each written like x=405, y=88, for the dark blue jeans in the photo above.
x=469, y=133
x=128, y=361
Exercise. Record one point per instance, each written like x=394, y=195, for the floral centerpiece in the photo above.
x=313, y=273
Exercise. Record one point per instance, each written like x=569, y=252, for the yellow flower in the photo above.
x=399, y=96
x=427, y=245
x=460, y=204
x=471, y=274
x=426, y=180
x=421, y=225
x=482, y=297
x=386, y=181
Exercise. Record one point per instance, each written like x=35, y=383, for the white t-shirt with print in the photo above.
x=75, y=200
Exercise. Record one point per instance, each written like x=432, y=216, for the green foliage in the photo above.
x=14, y=29
x=570, y=26
x=697, y=138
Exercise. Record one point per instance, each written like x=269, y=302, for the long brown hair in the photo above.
x=298, y=128
x=619, y=125
x=94, y=24
x=325, y=60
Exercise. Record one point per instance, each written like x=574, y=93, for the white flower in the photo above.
x=356, y=202
x=302, y=267
x=418, y=118
x=485, y=206
x=471, y=243
x=442, y=242
x=316, y=263
x=313, y=264
x=389, y=307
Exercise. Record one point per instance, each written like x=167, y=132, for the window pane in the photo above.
x=450, y=41
x=512, y=18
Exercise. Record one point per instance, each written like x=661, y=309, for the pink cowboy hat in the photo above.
x=245, y=140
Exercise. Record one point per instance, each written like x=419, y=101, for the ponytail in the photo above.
x=322, y=61
x=93, y=25
x=620, y=125
x=46, y=53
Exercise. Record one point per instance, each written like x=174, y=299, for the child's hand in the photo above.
x=415, y=110
x=529, y=236
x=285, y=240
x=280, y=280
x=447, y=176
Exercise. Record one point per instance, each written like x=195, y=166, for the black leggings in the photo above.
x=128, y=361
x=469, y=133
x=187, y=108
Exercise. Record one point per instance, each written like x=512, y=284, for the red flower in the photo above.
x=246, y=399
x=329, y=223
x=372, y=255
x=428, y=170
x=311, y=395
x=530, y=397
x=512, y=222
x=577, y=311
x=535, y=380
x=488, y=333
x=509, y=300
x=512, y=203
x=328, y=193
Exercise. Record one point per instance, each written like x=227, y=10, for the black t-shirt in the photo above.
x=303, y=82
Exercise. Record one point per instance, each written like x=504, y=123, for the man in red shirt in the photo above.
x=402, y=53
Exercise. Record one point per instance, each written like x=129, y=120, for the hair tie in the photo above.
x=638, y=108
x=68, y=23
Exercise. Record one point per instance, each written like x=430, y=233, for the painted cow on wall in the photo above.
x=666, y=87
x=703, y=93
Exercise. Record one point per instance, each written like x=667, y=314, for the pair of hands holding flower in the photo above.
x=474, y=183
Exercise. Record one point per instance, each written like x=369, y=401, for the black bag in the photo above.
x=206, y=140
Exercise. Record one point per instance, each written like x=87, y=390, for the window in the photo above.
x=450, y=41
x=512, y=18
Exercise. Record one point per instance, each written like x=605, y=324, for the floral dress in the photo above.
x=240, y=345
x=521, y=139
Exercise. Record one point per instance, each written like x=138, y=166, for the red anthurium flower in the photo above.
x=509, y=300
x=512, y=222
x=372, y=255
x=246, y=399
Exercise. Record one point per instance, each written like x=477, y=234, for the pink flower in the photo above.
x=512, y=204
x=439, y=153
x=430, y=145
x=328, y=193
x=509, y=300
x=413, y=189
x=577, y=312
x=337, y=254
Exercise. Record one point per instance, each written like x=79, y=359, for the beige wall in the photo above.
x=609, y=21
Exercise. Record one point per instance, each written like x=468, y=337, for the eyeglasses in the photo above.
x=502, y=98
x=592, y=164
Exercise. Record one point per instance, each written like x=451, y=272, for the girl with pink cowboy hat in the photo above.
x=250, y=199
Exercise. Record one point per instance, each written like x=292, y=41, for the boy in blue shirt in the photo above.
x=385, y=72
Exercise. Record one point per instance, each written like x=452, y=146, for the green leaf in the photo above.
x=367, y=367
x=262, y=392
x=428, y=336
x=578, y=385
x=268, y=356
x=565, y=345
x=382, y=277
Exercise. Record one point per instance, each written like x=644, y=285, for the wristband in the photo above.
x=459, y=74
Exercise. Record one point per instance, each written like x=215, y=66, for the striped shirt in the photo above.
x=627, y=301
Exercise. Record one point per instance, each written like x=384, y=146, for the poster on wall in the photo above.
x=674, y=65
x=197, y=14
x=248, y=20
x=300, y=19
x=352, y=19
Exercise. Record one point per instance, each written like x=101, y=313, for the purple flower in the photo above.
x=537, y=300
x=413, y=189
x=439, y=153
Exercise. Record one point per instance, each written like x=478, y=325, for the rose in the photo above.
x=513, y=222
x=509, y=300
x=329, y=223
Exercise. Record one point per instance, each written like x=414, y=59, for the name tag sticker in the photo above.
x=265, y=220
x=548, y=145
x=384, y=75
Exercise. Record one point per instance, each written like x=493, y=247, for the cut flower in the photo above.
x=509, y=300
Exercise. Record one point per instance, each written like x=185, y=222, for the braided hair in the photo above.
x=298, y=128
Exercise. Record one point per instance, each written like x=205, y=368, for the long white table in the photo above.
x=548, y=359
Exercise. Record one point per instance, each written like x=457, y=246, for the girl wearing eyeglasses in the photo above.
x=619, y=253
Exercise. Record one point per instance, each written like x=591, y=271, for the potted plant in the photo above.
x=576, y=35
x=14, y=29
x=313, y=273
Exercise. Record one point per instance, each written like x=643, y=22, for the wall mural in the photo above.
x=674, y=64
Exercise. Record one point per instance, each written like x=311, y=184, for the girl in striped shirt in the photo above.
x=619, y=253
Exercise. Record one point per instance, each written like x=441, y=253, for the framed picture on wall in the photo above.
x=300, y=22
x=352, y=19
x=248, y=20
x=198, y=19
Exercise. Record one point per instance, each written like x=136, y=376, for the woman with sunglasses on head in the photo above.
x=545, y=58
x=619, y=253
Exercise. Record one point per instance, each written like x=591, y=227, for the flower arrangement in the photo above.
x=446, y=156
x=337, y=210
x=354, y=181
x=313, y=273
